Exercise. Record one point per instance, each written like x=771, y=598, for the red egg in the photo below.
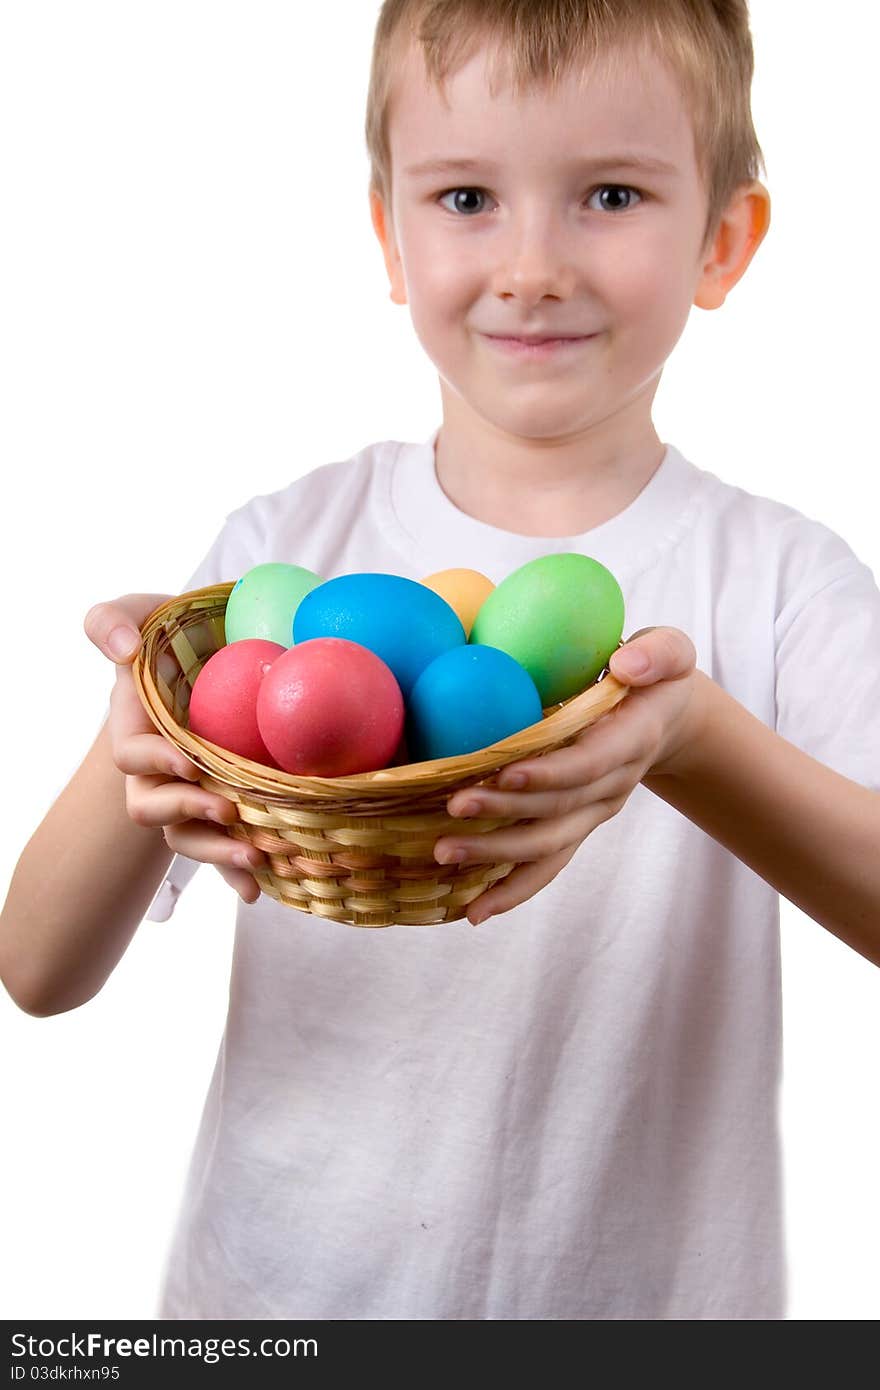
x=223, y=704
x=329, y=708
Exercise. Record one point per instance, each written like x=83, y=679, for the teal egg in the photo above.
x=264, y=601
x=466, y=699
x=560, y=616
x=404, y=623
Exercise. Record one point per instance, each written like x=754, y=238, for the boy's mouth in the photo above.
x=536, y=347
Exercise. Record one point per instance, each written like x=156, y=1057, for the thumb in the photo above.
x=653, y=654
x=114, y=627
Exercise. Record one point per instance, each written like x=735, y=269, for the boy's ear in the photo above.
x=741, y=230
x=385, y=232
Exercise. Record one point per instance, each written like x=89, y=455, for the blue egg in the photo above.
x=466, y=699
x=404, y=623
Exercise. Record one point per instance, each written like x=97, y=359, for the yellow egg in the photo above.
x=464, y=590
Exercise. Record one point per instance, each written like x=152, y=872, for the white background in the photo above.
x=194, y=309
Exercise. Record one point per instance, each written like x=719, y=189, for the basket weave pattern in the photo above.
x=357, y=849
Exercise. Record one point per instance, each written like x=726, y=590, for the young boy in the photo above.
x=570, y=1113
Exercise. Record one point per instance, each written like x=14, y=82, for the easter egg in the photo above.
x=405, y=624
x=464, y=590
x=560, y=616
x=264, y=600
x=223, y=702
x=466, y=699
x=329, y=708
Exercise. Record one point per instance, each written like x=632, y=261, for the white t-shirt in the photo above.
x=571, y=1111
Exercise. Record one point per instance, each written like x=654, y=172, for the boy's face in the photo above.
x=533, y=244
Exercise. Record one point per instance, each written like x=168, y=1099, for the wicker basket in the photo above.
x=358, y=849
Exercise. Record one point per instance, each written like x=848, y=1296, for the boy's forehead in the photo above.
x=625, y=102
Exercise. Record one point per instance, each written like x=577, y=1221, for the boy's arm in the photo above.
x=90, y=870
x=810, y=832
x=807, y=830
x=80, y=888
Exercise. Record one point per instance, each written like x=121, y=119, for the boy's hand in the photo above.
x=570, y=792
x=159, y=778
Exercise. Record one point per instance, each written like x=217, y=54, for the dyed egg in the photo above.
x=264, y=600
x=330, y=708
x=223, y=702
x=464, y=590
x=405, y=624
x=560, y=616
x=466, y=699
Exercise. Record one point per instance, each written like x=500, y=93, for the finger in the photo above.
x=653, y=654
x=595, y=785
x=522, y=843
x=153, y=801
x=618, y=738
x=198, y=840
x=128, y=716
x=135, y=746
x=521, y=884
x=147, y=754
x=114, y=627
x=245, y=884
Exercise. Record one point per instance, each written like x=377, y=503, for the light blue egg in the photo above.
x=404, y=623
x=466, y=699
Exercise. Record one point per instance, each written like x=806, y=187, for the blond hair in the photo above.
x=707, y=45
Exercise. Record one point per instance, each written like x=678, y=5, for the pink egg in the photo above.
x=223, y=704
x=329, y=707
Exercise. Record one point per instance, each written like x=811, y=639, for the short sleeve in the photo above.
x=828, y=671
x=240, y=545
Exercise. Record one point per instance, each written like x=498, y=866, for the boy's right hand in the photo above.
x=159, y=778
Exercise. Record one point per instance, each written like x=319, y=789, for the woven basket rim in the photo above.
x=558, y=727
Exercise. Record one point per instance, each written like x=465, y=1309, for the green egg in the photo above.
x=264, y=601
x=560, y=617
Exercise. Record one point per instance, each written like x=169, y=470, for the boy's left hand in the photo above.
x=571, y=791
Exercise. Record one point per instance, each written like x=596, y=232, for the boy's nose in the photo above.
x=536, y=266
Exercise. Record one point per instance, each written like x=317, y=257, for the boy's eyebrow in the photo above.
x=623, y=161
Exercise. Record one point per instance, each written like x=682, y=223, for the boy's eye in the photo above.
x=617, y=190
x=621, y=198
x=463, y=193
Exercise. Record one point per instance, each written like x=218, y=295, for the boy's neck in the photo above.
x=537, y=489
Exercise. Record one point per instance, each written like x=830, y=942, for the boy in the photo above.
x=571, y=1113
